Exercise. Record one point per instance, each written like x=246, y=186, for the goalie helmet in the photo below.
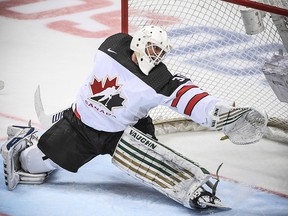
x=151, y=45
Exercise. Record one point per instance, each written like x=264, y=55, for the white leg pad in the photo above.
x=11, y=150
x=158, y=166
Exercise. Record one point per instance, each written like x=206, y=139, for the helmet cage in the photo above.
x=155, y=53
x=151, y=45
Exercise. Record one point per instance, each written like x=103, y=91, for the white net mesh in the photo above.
x=210, y=46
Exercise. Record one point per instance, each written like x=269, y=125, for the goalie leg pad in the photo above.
x=11, y=151
x=160, y=167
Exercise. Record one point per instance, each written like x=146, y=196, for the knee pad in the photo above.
x=33, y=160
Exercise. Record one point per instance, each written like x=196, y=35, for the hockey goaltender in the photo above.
x=128, y=80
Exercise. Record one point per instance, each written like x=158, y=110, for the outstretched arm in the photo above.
x=242, y=125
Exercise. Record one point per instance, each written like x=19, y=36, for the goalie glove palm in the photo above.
x=242, y=125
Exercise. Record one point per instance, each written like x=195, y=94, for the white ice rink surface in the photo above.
x=32, y=54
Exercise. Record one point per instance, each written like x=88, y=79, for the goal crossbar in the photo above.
x=260, y=6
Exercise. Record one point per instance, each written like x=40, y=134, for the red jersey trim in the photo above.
x=192, y=103
x=181, y=92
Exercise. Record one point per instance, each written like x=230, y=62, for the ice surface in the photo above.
x=32, y=54
x=99, y=188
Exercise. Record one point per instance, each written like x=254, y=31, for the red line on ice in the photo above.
x=18, y=119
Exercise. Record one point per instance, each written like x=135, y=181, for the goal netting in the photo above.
x=211, y=47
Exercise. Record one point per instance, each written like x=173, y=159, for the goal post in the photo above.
x=124, y=16
x=268, y=6
x=214, y=47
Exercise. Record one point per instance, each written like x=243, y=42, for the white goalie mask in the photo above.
x=151, y=45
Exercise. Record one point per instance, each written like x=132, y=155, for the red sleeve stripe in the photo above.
x=179, y=94
x=192, y=103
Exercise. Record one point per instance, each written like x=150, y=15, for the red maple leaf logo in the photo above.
x=97, y=86
x=107, y=93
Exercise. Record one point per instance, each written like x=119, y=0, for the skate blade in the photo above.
x=216, y=205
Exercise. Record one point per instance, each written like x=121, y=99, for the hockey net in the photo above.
x=211, y=46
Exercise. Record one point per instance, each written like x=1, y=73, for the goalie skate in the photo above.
x=10, y=152
x=203, y=199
